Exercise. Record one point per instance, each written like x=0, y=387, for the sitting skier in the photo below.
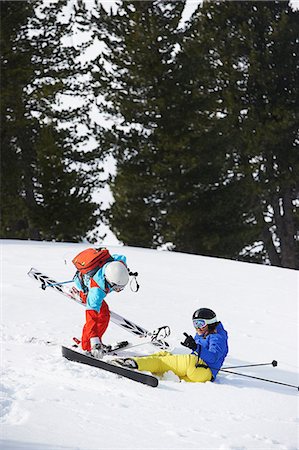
x=93, y=287
x=209, y=349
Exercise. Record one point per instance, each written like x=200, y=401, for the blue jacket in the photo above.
x=213, y=349
x=97, y=286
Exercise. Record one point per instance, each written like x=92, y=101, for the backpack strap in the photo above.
x=79, y=277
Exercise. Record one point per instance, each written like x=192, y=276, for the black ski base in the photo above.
x=134, y=375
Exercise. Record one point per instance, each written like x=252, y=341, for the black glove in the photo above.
x=189, y=342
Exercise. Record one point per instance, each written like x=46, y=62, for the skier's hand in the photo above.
x=189, y=342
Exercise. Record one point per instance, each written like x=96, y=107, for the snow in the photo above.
x=49, y=403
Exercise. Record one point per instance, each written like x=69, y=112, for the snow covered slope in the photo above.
x=49, y=403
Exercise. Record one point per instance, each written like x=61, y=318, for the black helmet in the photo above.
x=204, y=316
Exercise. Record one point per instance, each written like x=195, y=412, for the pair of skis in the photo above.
x=75, y=355
x=157, y=337
x=134, y=375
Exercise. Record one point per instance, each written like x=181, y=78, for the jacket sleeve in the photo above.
x=95, y=297
x=77, y=282
x=211, y=349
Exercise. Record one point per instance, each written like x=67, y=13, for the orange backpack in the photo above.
x=91, y=260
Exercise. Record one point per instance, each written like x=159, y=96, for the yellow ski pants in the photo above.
x=184, y=366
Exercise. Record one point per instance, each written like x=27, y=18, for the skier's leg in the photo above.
x=103, y=319
x=163, y=362
x=198, y=374
x=89, y=329
x=184, y=366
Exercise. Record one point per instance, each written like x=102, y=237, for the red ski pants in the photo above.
x=95, y=325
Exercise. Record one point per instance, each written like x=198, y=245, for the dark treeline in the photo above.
x=205, y=126
x=45, y=194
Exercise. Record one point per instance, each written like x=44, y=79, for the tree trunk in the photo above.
x=274, y=256
x=284, y=219
x=289, y=246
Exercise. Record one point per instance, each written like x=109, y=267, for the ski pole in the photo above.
x=262, y=379
x=273, y=363
x=44, y=285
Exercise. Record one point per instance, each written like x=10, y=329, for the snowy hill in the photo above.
x=49, y=403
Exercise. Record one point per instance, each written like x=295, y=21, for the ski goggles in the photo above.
x=116, y=287
x=200, y=323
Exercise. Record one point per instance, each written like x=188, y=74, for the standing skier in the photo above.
x=209, y=349
x=111, y=274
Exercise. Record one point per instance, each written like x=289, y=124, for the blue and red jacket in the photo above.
x=213, y=348
x=97, y=286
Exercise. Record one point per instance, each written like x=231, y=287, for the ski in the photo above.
x=124, y=345
x=35, y=340
x=134, y=375
x=114, y=347
x=111, y=351
x=118, y=346
x=157, y=336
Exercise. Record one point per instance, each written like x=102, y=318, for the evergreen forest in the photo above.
x=201, y=119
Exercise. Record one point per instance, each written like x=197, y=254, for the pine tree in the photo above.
x=270, y=134
x=16, y=123
x=141, y=39
x=204, y=121
x=259, y=69
x=204, y=208
x=240, y=83
x=48, y=195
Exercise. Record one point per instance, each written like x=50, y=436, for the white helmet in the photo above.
x=117, y=275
